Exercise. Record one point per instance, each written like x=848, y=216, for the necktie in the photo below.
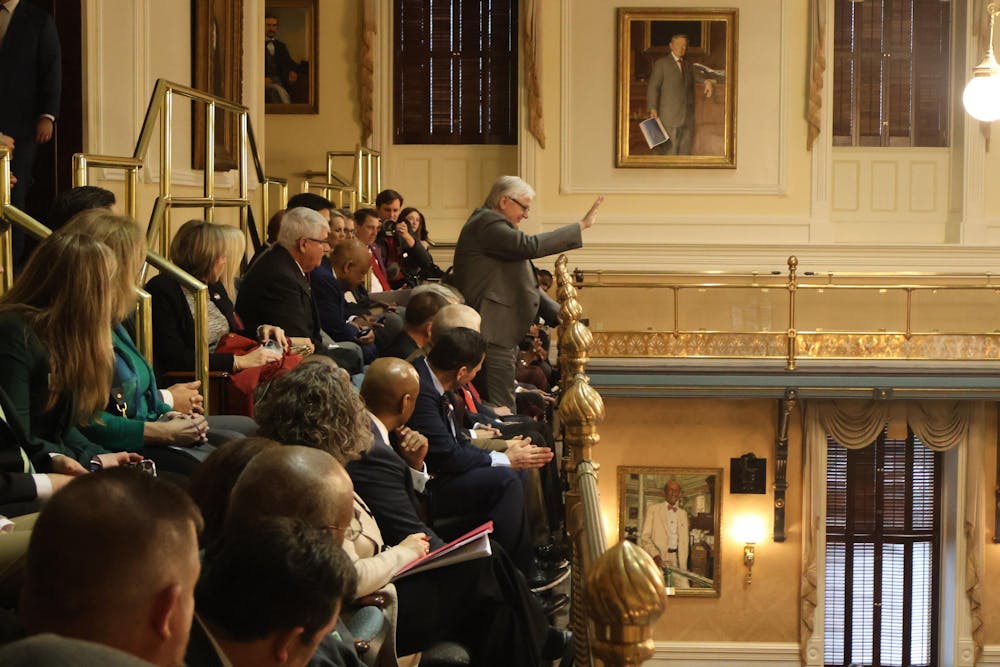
x=680, y=64
x=672, y=508
x=270, y=47
x=4, y=22
x=446, y=413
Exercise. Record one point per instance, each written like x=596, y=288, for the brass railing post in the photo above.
x=792, y=331
x=6, y=227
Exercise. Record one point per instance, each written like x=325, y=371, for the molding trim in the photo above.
x=773, y=257
x=779, y=186
x=991, y=655
x=732, y=654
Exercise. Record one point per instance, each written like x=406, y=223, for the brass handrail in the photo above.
x=336, y=193
x=160, y=108
x=797, y=286
x=617, y=593
x=366, y=180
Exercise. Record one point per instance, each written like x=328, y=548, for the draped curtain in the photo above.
x=366, y=69
x=941, y=425
x=533, y=69
x=817, y=66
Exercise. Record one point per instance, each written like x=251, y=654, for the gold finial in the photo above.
x=625, y=594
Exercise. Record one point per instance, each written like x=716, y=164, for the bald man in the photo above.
x=390, y=482
x=339, y=273
x=136, y=539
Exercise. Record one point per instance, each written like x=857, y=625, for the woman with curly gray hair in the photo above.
x=315, y=405
x=483, y=604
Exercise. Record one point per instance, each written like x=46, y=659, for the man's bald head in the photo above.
x=390, y=390
x=295, y=482
x=351, y=260
x=453, y=316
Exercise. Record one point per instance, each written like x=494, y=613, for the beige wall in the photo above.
x=705, y=433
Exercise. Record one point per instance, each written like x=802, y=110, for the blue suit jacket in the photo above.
x=333, y=307
x=447, y=456
x=30, y=72
x=382, y=479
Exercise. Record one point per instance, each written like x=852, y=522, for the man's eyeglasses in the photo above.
x=319, y=241
x=351, y=531
x=524, y=208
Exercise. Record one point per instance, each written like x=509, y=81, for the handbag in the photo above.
x=239, y=397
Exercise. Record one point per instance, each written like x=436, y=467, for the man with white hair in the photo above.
x=493, y=271
x=277, y=290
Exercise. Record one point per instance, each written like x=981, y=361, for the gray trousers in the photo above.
x=500, y=366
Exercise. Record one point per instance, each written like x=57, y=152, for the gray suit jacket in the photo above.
x=671, y=93
x=493, y=271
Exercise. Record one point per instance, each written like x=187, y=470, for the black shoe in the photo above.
x=559, y=646
x=553, y=554
x=553, y=604
x=544, y=579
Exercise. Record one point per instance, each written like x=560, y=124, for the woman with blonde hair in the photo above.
x=200, y=249
x=235, y=244
x=136, y=414
x=56, y=351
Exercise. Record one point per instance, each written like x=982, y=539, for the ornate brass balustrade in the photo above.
x=617, y=593
x=358, y=191
x=817, y=316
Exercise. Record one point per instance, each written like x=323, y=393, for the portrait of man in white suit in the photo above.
x=665, y=533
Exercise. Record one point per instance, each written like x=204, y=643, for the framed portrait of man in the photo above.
x=673, y=514
x=677, y=88
x=217, y=64
x=290, y=56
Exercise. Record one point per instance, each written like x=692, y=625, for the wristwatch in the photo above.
x=95, y=464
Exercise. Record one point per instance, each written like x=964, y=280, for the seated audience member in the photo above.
x=350, y=228
x=57, y=381
x=234, y=250
x=125, y=522
x=308, y=485
x=467, y=480
x=75, y=200
x=269, y=592
x=337, y=275
x=215, y=478
x=273, y=225
x=415, y=336
x=450, y=294
x=277, y=289
x=505, y=630
x=21, y=488
x=135, y=414
x=405, y=260
x=544, y=277
x=415, y=261
x=314, y=202
x=199, y=248
x=367, y=226
x=493, y=270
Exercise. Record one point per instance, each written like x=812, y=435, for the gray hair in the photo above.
x=508, y=186
x=449, y=292
x=453, y=316
x=300, y=223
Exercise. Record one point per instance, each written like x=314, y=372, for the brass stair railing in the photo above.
x=160, y=108
x=358, y=191
x=617, y=593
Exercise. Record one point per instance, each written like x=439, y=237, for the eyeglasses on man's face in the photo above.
x=323, y=242
x=352, y=530
x=525, y=209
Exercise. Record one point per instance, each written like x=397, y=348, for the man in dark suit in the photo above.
x=389, y=482
x=30, y=87
x=277, y=290
x=493, y=271
x=468, y=481
x=417, y=321
x=116, y=520
x=280, y=70
x=270, y=588
x=335, y=277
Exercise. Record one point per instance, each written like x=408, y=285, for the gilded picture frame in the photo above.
x=217, y=63
x=674, y=515
x=291, y=62
x=693, y=95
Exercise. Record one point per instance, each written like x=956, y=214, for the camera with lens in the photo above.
x=389, y=227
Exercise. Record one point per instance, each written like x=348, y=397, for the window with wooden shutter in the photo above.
x=882, y=538
x=455, y=72
x=891, y=72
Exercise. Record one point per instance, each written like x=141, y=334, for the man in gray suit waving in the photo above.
x=493, y=271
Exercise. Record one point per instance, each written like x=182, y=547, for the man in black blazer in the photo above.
x=277, y=290
x=280, y=69
x=466, y=480
x=389, y=482
x=30, y=87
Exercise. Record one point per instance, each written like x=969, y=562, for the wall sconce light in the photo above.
x=982, y=94
x=749, y=529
